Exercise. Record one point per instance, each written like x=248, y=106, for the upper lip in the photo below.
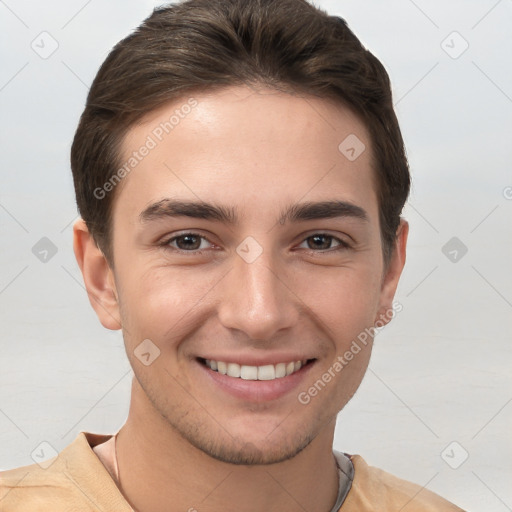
x=258, y=361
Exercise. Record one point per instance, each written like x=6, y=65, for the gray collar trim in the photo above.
x=346, y=472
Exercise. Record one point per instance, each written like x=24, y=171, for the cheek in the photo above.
x=344, y=300
x=159, y=303
x=162, y=303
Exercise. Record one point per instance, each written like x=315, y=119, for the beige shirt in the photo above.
x=77, y=481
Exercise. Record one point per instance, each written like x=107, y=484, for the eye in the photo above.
x=187, y=242
x=195, y=243
x=323, y=242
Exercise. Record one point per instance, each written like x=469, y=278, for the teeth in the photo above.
x=221, y=367
x=233, y=370
x=248, y=372
x=280, y=370
x=266, y=372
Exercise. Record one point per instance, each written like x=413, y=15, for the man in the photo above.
x=240, y=174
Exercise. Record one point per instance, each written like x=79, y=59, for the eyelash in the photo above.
x=165, y=243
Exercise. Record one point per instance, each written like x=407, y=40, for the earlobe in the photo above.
x=392, y=275
x=98, y=276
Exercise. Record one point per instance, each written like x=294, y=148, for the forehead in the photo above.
x=250, y=149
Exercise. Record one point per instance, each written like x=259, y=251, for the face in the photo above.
x=245, y=241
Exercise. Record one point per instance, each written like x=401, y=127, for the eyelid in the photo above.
x=342, y=243
x=167, y=240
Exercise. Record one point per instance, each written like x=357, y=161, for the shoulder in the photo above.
x=374, y=489
x=73, y=481
x=31, y=486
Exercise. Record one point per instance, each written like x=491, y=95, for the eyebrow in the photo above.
x=168, y=208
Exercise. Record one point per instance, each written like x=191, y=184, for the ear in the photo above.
x=98, y=276
x=392, y=275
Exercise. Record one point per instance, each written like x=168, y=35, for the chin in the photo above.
x=253, y=441
x=252, y=453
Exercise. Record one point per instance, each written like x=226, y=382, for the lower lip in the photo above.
x=256, y=390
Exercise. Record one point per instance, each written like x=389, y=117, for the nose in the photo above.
x=258, y=299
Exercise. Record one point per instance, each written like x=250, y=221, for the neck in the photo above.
x=159, y=470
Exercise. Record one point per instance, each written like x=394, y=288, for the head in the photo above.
x=278, y=125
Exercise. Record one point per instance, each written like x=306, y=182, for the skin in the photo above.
x=187, y=442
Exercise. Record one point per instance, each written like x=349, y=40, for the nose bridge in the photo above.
x=255, y=298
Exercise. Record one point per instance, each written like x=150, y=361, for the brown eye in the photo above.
x=320, y=242
x=323, y=242
x=188, y=242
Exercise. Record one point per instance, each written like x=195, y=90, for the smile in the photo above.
x=245, y=372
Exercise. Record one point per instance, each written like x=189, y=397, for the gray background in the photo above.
x=440, y=372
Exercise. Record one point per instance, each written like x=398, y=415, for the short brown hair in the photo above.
x=201, y=45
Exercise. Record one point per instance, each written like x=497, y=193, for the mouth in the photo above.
x=263, y=381
x=267, y=372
